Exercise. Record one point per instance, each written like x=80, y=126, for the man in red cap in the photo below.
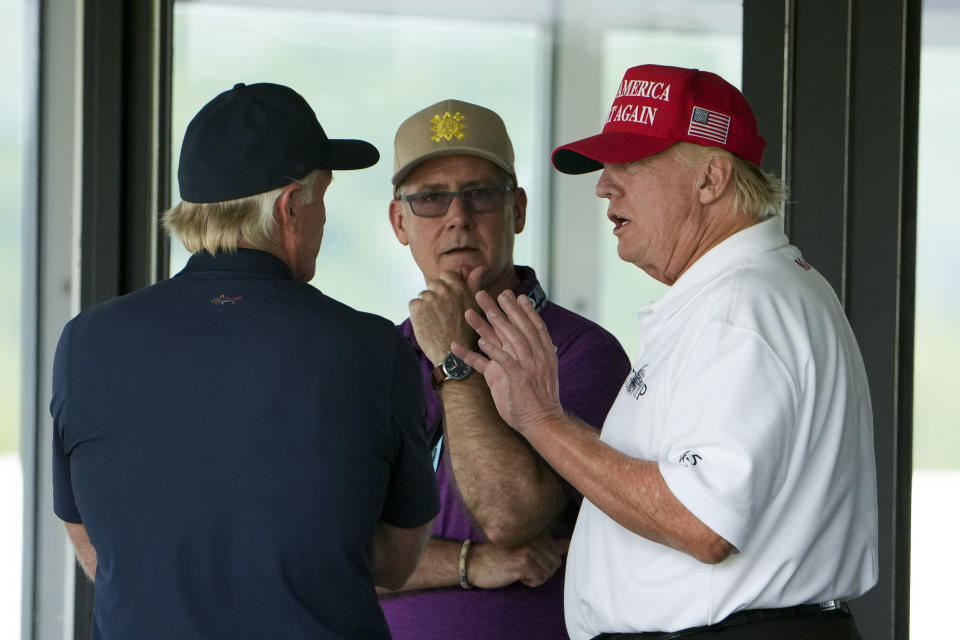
x=732, y=493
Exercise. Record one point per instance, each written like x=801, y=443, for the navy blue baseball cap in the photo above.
x=255, y=138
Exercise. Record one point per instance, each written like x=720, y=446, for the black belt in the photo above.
x=749, y=616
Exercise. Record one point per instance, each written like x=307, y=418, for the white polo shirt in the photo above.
x=750, y=393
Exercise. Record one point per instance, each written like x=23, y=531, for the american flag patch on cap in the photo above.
x=709, y=124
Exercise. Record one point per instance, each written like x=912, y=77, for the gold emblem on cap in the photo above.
x=448, y=127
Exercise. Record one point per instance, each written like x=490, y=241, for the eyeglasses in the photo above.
x=476, y=199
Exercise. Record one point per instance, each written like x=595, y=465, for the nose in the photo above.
x=605, y=186
x=457, y=214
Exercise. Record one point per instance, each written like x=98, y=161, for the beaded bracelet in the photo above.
x=464, y=583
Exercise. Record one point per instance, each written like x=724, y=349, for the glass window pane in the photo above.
x=936, y=413
x=715, y=47
x=363, y=74
x=12, y=145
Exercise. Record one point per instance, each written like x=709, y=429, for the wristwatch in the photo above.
x=450, y=368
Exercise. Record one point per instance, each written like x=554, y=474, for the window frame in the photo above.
x=102, y=176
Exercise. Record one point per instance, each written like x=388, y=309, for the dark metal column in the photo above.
x=835, y=83
x=125, y=152
x=767, y=60
x=881, y=273
x=125, y=158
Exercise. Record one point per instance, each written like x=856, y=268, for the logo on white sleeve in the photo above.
x=636, y=387
x=690, y=458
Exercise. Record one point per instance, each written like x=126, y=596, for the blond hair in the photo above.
x=218, y=226
x=756, y=193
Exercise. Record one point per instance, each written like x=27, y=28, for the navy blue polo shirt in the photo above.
x=230, y=438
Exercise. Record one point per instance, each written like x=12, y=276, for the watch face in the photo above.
x=455, y=368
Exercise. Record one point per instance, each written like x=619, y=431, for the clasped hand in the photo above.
x=493, y=566
x=437, y=314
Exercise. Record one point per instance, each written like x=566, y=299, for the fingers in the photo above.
x=437, y=315
x=450, y=279
x=543, y=558
x=444, y=286
x=472, y=358
x=499, y=355
x=524, y=316
x=482, y=327
x=487, y=303
x=516, y=323
x=538, y=325
x=449, y=285
x=475, y=279
x=505, y=318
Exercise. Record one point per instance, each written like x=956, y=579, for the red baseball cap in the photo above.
x=657, y=106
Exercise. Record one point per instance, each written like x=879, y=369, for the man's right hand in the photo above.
x=437, y=314
x=491, y=566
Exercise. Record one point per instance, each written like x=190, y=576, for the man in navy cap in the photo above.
x=236, y=455
x=732, y=493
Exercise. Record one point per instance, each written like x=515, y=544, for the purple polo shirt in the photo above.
x=592, y=368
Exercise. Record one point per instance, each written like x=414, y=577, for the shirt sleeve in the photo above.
x=731, y=421
x=412, y=498
x=64, y=504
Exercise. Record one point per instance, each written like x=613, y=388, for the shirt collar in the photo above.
x=528, y=279
x=245, y=260
x=755, y=239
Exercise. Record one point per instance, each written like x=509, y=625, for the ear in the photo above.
x=716, y=177
x=287, y=216
x=397, y=222
x=283, y=208
x=519, y=209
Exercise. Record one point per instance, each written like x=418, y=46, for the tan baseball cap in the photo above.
x=451, y=127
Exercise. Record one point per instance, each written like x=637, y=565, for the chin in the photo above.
x=630, y=251
x=464, y=270
x=463, y=267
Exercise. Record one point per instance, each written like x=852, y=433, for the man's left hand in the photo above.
x=521, y=371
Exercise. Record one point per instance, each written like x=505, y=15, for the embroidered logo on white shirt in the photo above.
x=636, y=387
x=690, y=458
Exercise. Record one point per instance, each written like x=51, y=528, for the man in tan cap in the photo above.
x=493, y=568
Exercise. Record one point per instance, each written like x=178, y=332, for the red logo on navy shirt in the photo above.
x=223, y=300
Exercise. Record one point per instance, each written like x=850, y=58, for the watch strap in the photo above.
x=437, y=376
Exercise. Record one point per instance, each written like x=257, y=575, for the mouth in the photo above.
x=458, y=251
x=618, y=222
